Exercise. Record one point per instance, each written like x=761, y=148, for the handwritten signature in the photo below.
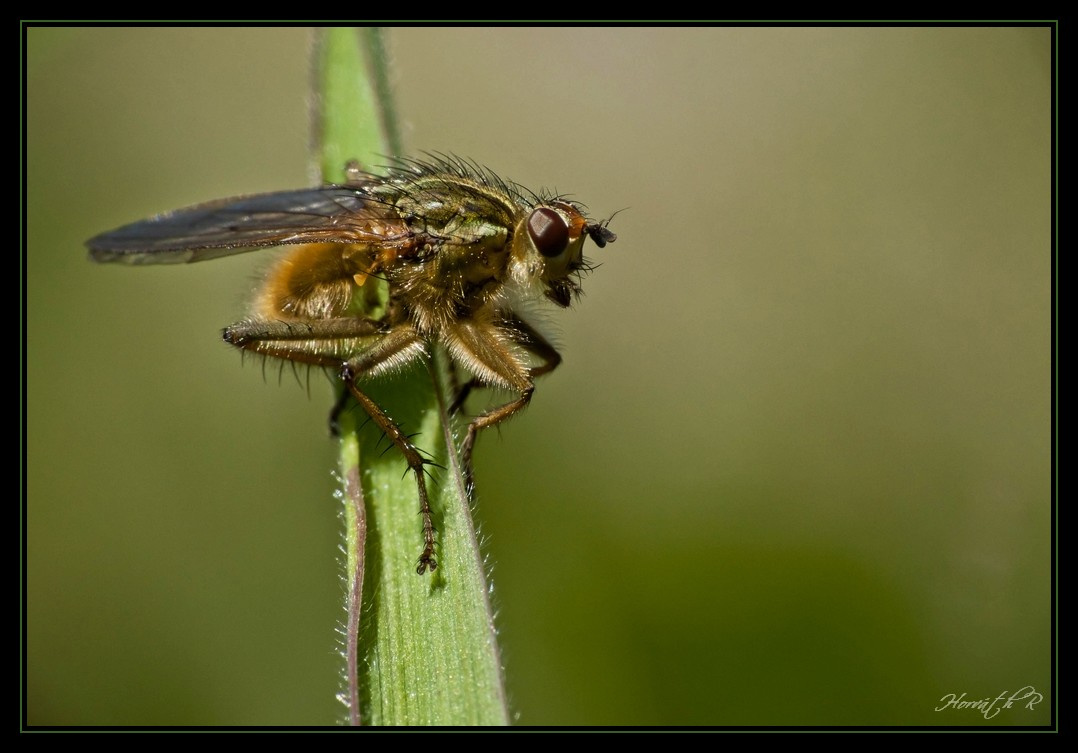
x=989, y=707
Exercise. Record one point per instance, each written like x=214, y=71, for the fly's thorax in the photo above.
x=455, y=210
x=461, y=229
x=467, y=284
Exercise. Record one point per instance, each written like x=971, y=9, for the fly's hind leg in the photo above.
x=321, y=343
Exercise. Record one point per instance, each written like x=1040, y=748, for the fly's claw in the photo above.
x=426, y=562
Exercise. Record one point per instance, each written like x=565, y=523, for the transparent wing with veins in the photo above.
x=332, y=214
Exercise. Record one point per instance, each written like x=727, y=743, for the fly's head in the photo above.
x=547, y=252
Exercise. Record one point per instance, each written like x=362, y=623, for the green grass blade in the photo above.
x=422, y=651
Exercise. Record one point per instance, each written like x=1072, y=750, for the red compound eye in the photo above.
x=549, y=232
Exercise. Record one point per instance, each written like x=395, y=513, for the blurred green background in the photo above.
x=795, y=468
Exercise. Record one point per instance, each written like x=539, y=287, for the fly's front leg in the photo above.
x=488, y=353
x=524, y=334
x=482, y=421
x=527, y=337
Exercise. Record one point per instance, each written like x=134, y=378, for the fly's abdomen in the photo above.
x=314, y=281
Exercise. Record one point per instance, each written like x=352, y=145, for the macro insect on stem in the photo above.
x=455, y=246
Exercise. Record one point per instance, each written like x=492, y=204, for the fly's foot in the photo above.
x=426, y=559
x=426, y=562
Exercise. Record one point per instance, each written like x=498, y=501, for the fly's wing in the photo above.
x=332, y=214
